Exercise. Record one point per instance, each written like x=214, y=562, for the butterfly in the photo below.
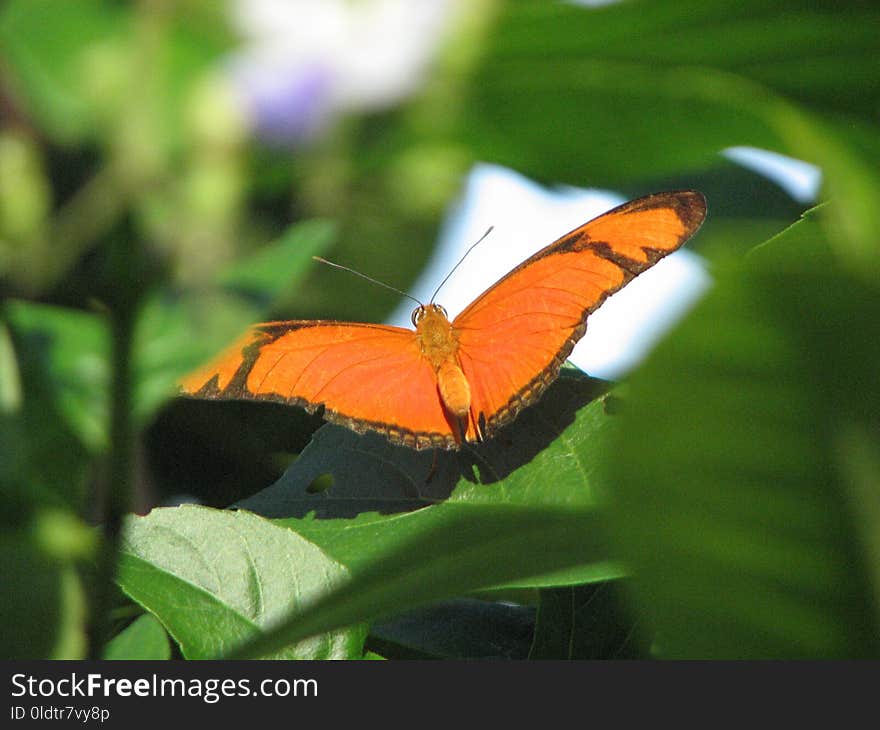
x=445, y=382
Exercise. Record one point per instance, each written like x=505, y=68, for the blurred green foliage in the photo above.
x=735, y=480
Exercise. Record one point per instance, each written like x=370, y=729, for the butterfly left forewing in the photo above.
x=364, y=376
x=515, y=336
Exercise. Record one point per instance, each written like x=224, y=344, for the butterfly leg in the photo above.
x=479, y=422
x=434, y=463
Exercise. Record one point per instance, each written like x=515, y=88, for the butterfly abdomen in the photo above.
x=455, y=392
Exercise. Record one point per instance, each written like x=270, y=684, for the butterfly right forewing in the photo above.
x=515, y=336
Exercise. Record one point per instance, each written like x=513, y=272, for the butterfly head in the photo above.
x=427, y=312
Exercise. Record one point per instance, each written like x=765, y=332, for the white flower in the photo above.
x=302, y=62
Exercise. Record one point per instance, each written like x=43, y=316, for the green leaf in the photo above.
x=731, y=475
x=638, y=90
x=802, y=245
x=65, y=355
x=144, y=638
x=547, y=441
x=45, y=44
x=521, y=506
x=462, y=550
x=43, y=460
x=267, y=274
x=585, y=622
x=853, y=222
x=714, y=74
x=216, y=579
x=544, y=459
x=464, y=628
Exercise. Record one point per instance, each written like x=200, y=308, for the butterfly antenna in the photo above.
x=368, y=278
x=473, y=246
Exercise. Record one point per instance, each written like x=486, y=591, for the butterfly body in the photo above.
x=450, y=382
x=438, y=342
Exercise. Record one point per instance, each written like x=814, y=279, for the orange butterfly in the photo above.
x=445, y=382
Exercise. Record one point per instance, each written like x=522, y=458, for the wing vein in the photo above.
x=517, y=315
x=480, y=304
x=351, y=365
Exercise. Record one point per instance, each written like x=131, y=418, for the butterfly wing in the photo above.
x=364, y=376
x=515, y=336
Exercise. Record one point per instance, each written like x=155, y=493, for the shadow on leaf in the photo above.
x=342, y=474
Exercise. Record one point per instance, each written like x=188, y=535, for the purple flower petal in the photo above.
x=288, y=104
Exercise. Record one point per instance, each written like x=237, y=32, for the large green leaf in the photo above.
x=215, y=579
x=462, y=550
x=374, y=496
x=638, y=89
x=643, y=90
x=518, y=507
x=741, y=474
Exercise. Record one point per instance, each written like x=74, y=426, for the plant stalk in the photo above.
x=119, y=487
